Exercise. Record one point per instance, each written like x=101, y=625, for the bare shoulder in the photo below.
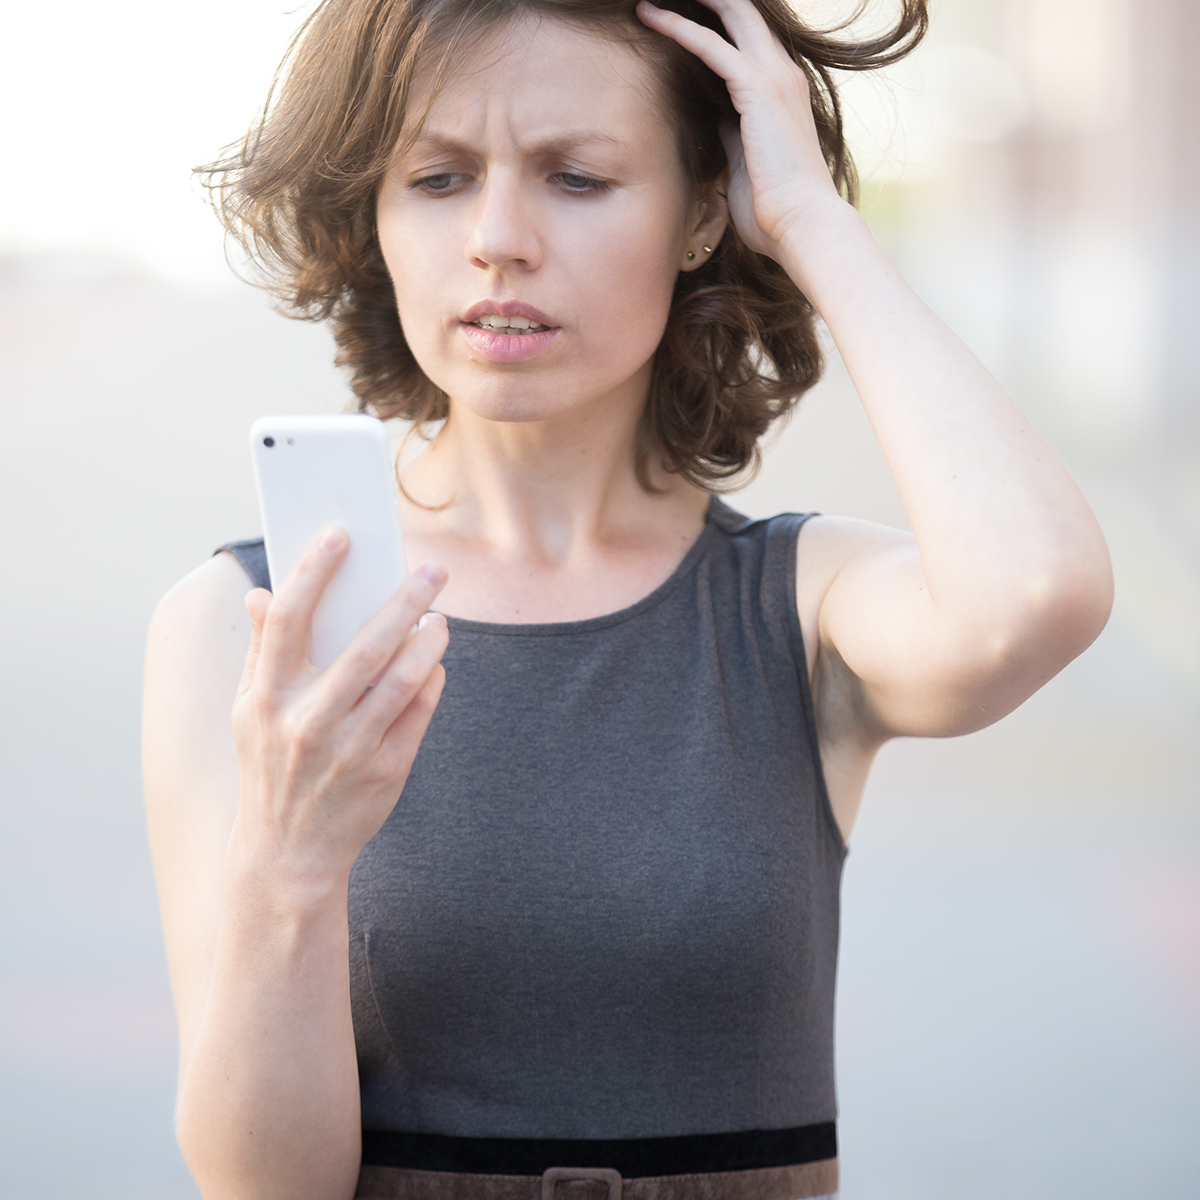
x=196, y=645
x=848, y=734
x=208, y=602
x=195, y=651
x=827, y=545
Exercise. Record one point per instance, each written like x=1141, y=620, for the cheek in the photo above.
x=624, y=278
x=416, y=266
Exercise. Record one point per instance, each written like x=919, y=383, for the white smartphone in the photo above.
x=314, y=471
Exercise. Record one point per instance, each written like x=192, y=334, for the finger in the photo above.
x=402, y=682
x=257, y=602
x=287, y=632
x=377, y=642
x=752, y=37
x=748, y=27
x=706, y=44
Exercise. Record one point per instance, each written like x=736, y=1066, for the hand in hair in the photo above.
x=778, y=173
x=1006, y=576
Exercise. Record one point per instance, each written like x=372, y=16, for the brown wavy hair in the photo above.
x=740, y=346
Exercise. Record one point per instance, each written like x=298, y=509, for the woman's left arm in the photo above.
x=1007, y=576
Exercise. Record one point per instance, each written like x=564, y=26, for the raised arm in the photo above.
x=253, y=841
x=1006, y=577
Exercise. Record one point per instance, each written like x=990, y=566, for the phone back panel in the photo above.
x=322, y=470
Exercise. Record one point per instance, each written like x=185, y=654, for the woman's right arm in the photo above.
x=254, y=832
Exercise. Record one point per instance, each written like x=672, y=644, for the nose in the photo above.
x=503, y=233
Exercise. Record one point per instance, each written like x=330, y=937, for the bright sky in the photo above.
x=110, y=103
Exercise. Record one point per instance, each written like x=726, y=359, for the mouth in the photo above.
x=511, y=317
x=507, y=331
x=509, y=326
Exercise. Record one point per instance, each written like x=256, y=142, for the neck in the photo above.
x=541, y=491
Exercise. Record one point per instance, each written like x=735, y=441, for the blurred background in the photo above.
x=1020, y=980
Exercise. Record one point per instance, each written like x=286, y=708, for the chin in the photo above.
x=515, y=409
x=523, y=397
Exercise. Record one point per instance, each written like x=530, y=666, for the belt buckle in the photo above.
x=553, y=1176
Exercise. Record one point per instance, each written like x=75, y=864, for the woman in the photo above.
x=590, y=949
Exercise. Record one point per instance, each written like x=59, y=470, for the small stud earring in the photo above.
x=707, y=249
x=691, y=255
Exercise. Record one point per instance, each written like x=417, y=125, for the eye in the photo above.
x=572, y=181
x=438, y=185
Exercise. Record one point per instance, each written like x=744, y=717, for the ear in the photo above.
x=707, y=219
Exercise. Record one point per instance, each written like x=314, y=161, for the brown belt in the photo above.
x=798, y=1182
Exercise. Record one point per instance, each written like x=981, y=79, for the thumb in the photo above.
x=257, y=603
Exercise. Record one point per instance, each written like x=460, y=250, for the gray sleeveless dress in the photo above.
x=600, y=926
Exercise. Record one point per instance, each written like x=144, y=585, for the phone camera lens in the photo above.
x=268, y=441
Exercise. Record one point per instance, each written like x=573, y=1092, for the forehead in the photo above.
x=539, y=74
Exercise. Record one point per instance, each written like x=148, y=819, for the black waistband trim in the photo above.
x=634, y=1157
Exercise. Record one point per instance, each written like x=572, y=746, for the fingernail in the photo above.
x=333, y=537
x=433, y=573
x=431, y=618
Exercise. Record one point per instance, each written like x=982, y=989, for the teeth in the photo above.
x=509, y=324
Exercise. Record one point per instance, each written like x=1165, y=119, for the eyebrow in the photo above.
x=561, y=144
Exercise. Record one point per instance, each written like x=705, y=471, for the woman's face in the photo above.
x=535, y=229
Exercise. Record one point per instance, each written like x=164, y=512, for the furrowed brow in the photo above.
x=431, y=140
x=437, y=143
x=565, y=143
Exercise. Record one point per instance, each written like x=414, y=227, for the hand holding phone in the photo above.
x=316, y=471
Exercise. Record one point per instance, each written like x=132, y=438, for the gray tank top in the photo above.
x=606, y=903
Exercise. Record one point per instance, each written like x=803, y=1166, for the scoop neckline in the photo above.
x=690, y=560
